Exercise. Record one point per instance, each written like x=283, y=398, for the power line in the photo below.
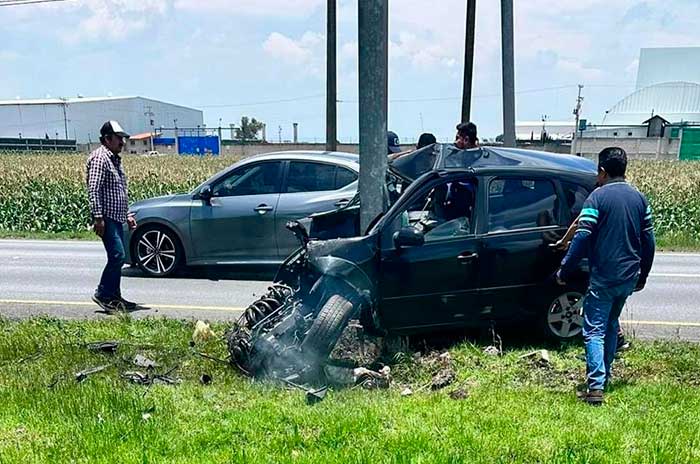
x=266, y=102
x=26, y=2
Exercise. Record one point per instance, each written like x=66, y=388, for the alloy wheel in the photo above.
x=156, y=252
x=565, y=315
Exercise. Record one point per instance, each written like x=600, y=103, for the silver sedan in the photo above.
x=238, y=216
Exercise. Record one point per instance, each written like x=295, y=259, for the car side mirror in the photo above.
x=206, y=194
x=408, y=237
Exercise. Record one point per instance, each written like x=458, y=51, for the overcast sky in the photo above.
x=266, y=58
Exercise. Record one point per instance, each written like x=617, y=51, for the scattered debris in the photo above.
x=82, y=375
x=205, y=379
x=492, y=350
x=147, y=379
x=202, y=332
x=313, y=396
x=406, y=392
x=316, y=396
x=142, y=361
x=539, y=357
x=459, y=394
x=108, y=346
x=145, y=416
x=137, y=377
x=443, y=378
x=446, y=357
x=372, y=380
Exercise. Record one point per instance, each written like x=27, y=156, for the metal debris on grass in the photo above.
x=84, y=374
x=107, y=346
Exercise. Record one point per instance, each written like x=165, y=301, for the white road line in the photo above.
x=150, y=306
x=680, y=276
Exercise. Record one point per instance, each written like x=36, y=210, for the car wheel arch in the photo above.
x=157, y=225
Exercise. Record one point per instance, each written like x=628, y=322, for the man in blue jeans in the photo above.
x=615, y=233
x=108, y=195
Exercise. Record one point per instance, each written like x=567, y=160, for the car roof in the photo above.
x=348, y=160
x=514, y=158
x=336, y=157
x=441, y=157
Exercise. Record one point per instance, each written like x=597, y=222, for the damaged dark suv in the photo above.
x=467, y=242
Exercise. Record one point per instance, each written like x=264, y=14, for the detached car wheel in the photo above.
x=564, y=317
x=156, y=251
x=328, y=326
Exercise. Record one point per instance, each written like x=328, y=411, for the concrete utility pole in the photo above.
x=468, y=61
x=149, y=114
x=577, y=113
x=508, y=73
x=373, y=38
x=65, y=119
x=331, y=79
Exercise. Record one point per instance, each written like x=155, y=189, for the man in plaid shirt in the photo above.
x=108, y=196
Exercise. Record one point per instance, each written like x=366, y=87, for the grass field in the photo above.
x=515, y=411
x=44, y=194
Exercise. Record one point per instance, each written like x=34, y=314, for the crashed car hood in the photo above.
x=355, y=249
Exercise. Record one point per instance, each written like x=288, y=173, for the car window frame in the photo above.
x=424, y=190
x=524, y=176
x=338, y=167
x=232, y=172
x=288, y=166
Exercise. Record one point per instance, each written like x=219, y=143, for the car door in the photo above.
x=524, y=217
x=435, y=284
x=310, y=187
x=238, y=224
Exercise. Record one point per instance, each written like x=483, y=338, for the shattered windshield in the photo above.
x=415, y=164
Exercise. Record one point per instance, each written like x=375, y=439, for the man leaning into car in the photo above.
x=615, y=233
x=108, y=196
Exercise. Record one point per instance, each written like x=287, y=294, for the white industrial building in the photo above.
x=81, y=118
x=668, y=85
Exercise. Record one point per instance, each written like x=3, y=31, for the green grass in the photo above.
x=82, y=235
x=515, y=411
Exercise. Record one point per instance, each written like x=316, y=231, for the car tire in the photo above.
x=327, y=327
x=563, y=318
x=156, y=250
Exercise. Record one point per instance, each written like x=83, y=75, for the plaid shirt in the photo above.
x=107, y=185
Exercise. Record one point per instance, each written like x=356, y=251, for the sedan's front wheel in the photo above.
x=157, y=251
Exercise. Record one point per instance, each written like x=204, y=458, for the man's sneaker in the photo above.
x=128, y=305
x=622, y=344
x=593, y=397
x=108, y=304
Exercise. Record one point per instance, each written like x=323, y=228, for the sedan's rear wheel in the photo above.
x=157, y=251
x=564, y=318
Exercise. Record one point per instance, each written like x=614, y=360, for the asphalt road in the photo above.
x=58, y=277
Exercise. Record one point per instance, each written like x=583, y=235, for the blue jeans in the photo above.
x=601, y=311
x=113, y=240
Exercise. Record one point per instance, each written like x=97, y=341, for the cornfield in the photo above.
x=46, y=192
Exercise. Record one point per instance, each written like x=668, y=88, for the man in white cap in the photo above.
x=109, y=205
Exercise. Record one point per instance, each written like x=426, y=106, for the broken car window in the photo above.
x=446, y=211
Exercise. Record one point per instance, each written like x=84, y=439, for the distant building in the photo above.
x=668, y=85
x=81, y=118
x=534, y=130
